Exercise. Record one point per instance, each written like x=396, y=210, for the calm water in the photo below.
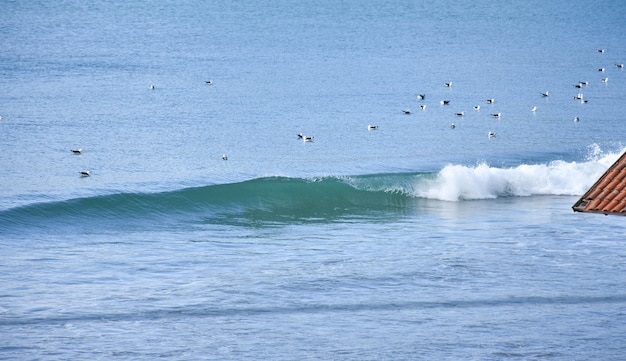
x=413, y=241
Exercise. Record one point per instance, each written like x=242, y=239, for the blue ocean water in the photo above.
x=412, y=241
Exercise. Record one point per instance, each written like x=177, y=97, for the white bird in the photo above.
x=583, y=83
x=605, y=80
x=534, y=109
x=491, y=134
x=496, y=115
x=601, y=69
x=491, y=101
x=445, y=102
x=152, y=87
x=77, y=151
x=579, y=96
x=421, y=97
x=372, y=127
x=448, y=84
x=621, y=66
x=423, y=106
x=601, y=50
x=545, y=94
x=452, y=126
x=224, y=157
x=85, y=173
x=407, y=111
x=209, y=82
x=477, y=107
x=576, y=119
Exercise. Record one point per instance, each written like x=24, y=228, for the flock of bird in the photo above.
x=422, y=106
x=491, y=134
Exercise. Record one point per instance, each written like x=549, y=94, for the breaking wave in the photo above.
x=285, y=199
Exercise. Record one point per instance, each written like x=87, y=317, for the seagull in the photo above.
x=601, y=69
x=579, y=85
x=372, y=127
x=534, y=109
x=601, y=50
x=576, y=119
x=152, y=87
x=605, y=80
x=421, y=97
x=477, y=107
x=460, y=114
x=496, y=115
x=423, y=107
x=445, y=102
x=491, y=134
x=224, y=157
x=490, y=101
x=77, y=151
x=579, y=96
x=452, y=126
x=545, y=94
x=85, y=173
x=448, y=84
x=583, y=82
x=305, y=138
x=209, y=82
x=407, y=111
x=621, y=66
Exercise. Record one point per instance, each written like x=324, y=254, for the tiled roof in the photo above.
x=608, y=194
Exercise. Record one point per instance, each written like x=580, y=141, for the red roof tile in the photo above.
x=608, y=194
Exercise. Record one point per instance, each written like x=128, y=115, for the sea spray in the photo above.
x=458, y=182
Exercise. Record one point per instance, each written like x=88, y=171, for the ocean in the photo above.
x=208, y=228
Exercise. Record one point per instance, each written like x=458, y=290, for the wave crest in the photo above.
x=457, y=182
x=284, y=199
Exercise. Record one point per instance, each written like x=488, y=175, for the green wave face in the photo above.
x=261, y=201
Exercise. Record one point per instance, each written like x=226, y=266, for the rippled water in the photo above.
x=413, y=241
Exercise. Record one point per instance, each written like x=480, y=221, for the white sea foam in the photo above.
x=459, y=182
